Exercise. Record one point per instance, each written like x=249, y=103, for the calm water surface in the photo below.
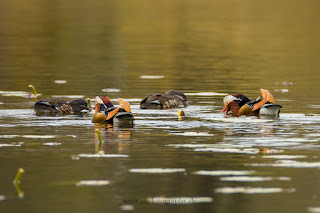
x=202, y=163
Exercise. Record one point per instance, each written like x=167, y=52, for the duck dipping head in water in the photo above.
x=238, y=105
x=169, y=100
x=104, y=110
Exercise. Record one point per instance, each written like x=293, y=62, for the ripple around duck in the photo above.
x=314, y=209
x=196, y=134
x=93, y=183
x=9, y=145
x=252, y=190
x=102, y=156
x=157, y=170
x=179, y=200
x=253, y=179
x=284, y=156
x=224, y=172
x=288, y=164
x=270, y=141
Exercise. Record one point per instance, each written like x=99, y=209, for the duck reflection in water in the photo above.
x=116, y=139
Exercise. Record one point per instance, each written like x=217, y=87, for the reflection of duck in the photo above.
x=168, y=100
x=114, y=138
x=238, y=105
x=54, y=106
x=106, y=112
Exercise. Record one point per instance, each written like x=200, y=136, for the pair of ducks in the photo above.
x=235, y=105
x=104, y=109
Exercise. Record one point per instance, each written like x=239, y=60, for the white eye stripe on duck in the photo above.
x=229, y=98
x=98, y=100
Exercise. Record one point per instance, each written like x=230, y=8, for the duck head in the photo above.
x=230, y=102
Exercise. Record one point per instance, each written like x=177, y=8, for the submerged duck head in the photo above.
x=105, y=111
x=79, y=105
x=168, y=100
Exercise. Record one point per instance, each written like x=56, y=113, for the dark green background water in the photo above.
x=198, y=46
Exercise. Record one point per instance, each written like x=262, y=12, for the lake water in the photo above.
x=202, y=163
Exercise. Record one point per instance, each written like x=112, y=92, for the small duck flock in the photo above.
x=235, y=105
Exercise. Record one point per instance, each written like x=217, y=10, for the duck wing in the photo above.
x=150, y=102
x=170, y=102
x=52, y=106
x=51, y=102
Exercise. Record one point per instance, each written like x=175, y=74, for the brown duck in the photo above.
x=168, y=100
x=53, y=106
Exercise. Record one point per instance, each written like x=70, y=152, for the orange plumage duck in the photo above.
x=239, y=105
x=106, y=112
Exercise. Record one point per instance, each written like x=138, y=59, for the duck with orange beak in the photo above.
x=105, y=112
x=239, y=105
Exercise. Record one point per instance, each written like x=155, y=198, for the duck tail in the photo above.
x=266, y=93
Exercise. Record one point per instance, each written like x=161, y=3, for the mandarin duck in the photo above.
x=238, y=105
x=105, y=112
x=168, y=100
x=53, y=106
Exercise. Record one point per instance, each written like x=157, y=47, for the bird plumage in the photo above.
x=53, y=106
x=168, y=100
x=239, y=104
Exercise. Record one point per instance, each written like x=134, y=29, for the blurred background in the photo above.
x=221, y=46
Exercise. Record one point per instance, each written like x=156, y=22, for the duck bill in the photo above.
x=224, y=110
